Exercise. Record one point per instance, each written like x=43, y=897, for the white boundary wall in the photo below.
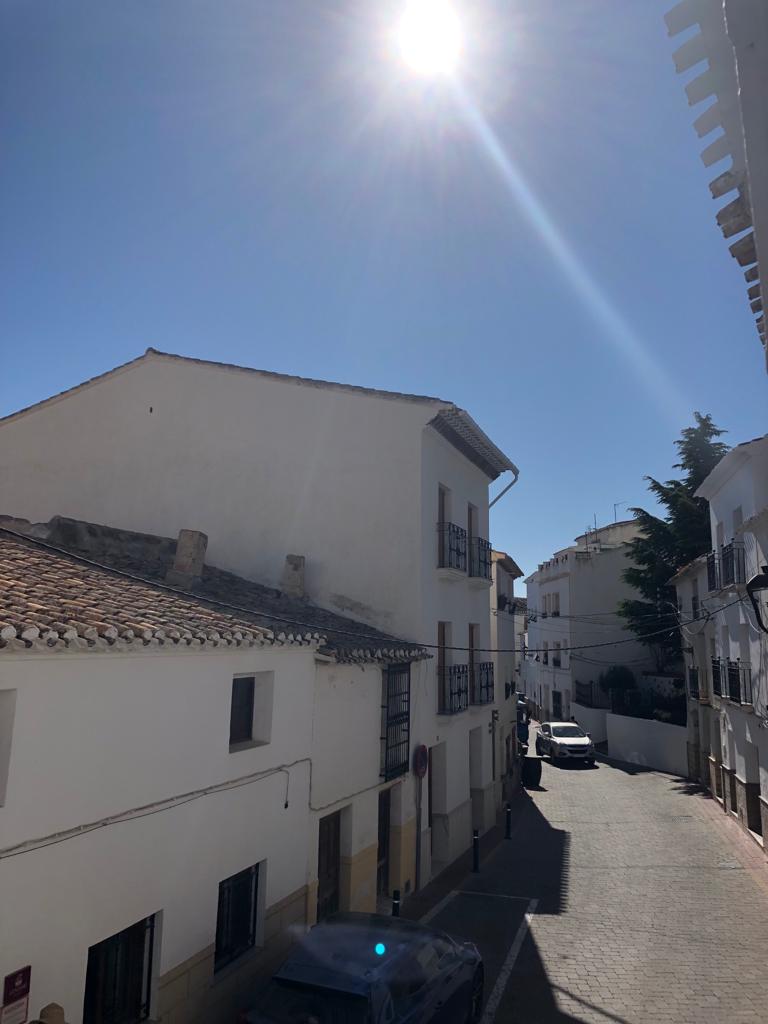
x=592, y=720
x=646, y=742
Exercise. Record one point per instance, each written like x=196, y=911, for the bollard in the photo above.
x=508, y=830
x=475, y=851
x=396, y=903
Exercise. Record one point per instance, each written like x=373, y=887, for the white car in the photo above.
x=565, y=740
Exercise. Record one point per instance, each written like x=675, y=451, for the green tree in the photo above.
x=666, y=544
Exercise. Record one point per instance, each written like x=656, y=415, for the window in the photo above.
x=236, y=916
x=556, y=604
x=250, y=716
x=7, y=711
x=443, y=505
x=118, y=976
x=545, y=655
x=556, y=655
x=396, y=716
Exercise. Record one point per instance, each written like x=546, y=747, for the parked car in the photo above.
x=565, y=740
x=370, y=969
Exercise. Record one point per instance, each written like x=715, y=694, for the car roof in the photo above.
x=561, y=723
x=340, y=952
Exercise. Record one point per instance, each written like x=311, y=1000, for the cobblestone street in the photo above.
x=651, y=907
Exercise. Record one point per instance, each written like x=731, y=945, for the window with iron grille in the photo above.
x=451, y=547
x=236, y=916
x=119, y=976
x=396, y=721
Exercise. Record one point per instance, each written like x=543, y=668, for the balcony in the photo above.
x=481, y=682
x=739, y=682
x=732, y=564
x=453, y=689
x=480, y=559
x=451, y=550
x=717, y=680
x=693, y=682
x=713, y=572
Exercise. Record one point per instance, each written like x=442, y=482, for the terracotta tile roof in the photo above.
x=53, y=599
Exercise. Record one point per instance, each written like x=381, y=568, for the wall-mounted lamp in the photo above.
x=758, y=582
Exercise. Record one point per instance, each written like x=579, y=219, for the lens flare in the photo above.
x=380, y=949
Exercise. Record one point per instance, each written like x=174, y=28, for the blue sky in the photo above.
x=259, y=181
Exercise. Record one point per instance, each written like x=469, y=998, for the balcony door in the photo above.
x=328, y=865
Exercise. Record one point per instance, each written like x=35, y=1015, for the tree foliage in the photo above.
x=666, y=544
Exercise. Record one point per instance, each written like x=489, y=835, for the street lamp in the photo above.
x=758, y=582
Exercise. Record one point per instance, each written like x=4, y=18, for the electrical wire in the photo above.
x=324, y=630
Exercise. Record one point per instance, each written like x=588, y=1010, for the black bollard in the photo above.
x=396, y=903
x=508, y=830
x=475, y=851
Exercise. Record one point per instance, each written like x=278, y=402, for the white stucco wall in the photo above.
x=100, y=734
x=592, y=720
x=649, y=743
x=265, y=467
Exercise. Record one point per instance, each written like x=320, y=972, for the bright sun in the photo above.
x=429, y=37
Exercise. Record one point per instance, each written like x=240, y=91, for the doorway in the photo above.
x=557, y=706
x=328, y=865
x=382, y=857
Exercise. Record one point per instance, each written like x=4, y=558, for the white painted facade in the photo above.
x=266, y=465
x=100, y=734
x=728, y=730
x=505, y=658
x=731, y=94
x=572, y=602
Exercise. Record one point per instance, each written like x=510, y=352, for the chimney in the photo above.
x=292, y=582
x=188, y=564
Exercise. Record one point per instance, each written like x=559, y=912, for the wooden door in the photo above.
x=328, y=865
x=382, y=862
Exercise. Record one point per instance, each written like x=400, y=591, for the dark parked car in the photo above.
x=369, y=969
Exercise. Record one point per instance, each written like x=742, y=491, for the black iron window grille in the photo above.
x=236, y=916
x=693, y=682
x=739, y=682
x=451, y=547
x=713, y=573
x=732, y=563
x=481, y=682
x=480, y=558
x=453, y=683
x=695, y=607
x=119, y=976
x=396, y=721
x=717, y=680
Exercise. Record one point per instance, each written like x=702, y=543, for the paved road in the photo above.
x=651, y=907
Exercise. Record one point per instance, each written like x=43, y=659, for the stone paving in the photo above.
x=652, y=906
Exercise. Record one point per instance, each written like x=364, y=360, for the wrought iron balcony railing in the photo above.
x=732, y=564
x=739, y=677
x=453, y=689
x=713, y=572
x=396, y=721
x=693, y=682
x=481, y=682
x=717, y=681
x=480, y=558
x=451, y=547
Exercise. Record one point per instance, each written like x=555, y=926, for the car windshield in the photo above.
x=290, y=1003
x=568, y=730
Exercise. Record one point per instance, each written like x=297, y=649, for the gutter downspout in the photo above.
x=509, y=486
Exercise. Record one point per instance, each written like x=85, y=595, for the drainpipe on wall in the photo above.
x=509, y=486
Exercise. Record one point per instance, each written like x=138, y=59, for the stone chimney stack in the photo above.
x=188, y=564
x=292, y=582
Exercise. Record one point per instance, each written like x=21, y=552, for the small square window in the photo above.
x=250, y=716
x=236, y=916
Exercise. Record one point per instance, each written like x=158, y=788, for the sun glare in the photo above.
x=429, y=37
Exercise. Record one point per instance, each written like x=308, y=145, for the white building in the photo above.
x=165, y=758
x=725, y=649
x=505, y=658
x=572, y=602
x=385, y=495
x=732, y=39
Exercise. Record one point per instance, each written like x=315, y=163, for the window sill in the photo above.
x=235, y=965
x=235, y=748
